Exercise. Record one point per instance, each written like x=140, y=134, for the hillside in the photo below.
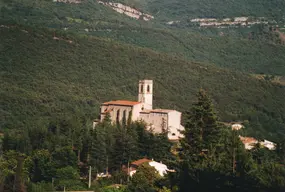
x=92, y=18
x=60, y=15
x=178, y=9
x=185, y=9
x=225, y=51
x=43, y=77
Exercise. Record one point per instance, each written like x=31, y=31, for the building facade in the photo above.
x=157, y=120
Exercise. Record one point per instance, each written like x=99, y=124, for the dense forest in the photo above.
x=209, y=157
x=43, y=77
x=217, y=8
x=169, y=10
x=261, y=53
x=240, y=54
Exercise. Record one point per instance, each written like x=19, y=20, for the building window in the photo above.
x=124, y=118
x=118, y=116
x=148, y=89
x=163, y=125
x=141, y=88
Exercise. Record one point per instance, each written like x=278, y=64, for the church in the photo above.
x=157, y=120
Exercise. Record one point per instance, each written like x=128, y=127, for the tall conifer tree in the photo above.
x=202, y=135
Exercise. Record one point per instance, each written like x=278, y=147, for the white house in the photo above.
x=237, y=126
x=157, y=120
x=161, y=168
x=249, y=142
x=268, y=144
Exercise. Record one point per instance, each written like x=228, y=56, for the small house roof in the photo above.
x=122, y=102
x=248, y=140
x=140, y=161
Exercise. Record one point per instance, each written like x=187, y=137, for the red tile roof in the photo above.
x=107, y=110
x=122, y=102
x=140, y=161
x=248, y=139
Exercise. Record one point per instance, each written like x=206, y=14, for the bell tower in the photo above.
x=145, y=93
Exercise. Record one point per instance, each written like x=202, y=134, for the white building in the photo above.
x=161, y=168
x=157, y=120
x=268, y=144
x=249, y=142
x=237, y=126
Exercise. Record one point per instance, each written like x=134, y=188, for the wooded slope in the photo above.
x=42, y=78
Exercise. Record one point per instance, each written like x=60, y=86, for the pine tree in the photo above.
x=102, y=144
x=202, y=130
x=125, y=147
x=213, y=157
x=200, y=146
x=204, y=117
x=132, y=143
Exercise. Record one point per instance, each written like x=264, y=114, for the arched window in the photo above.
x=124, y=118
x=118, y=116
x=141, y=88
x=148, y=88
